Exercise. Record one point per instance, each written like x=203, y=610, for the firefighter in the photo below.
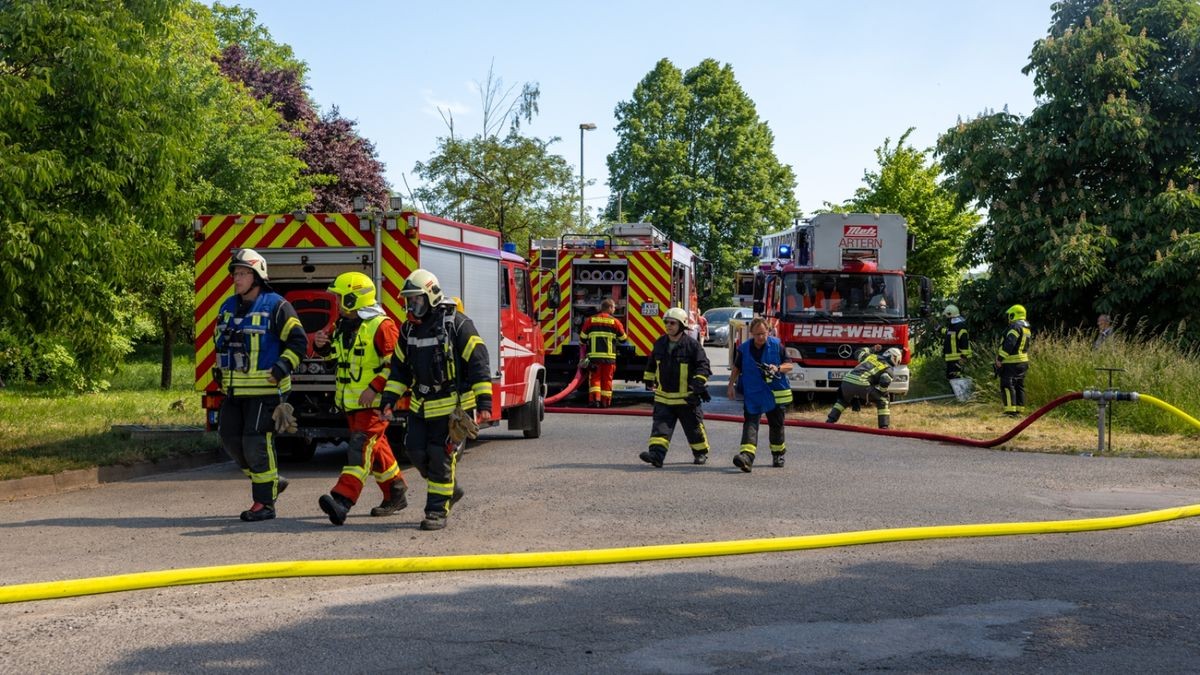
x=361, y=344
x=956, y=344
x=441, y=364
x=599, y=336
x=259, y=341
x=868, y=381
x=677, y=372
x=760, y=370
x=1012, y=361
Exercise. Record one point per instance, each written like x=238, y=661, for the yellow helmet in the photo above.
x=676, y=314
x=950, y=312
x=248, y=257
x=422, y=283
x=1015, y=313
x=355, y=291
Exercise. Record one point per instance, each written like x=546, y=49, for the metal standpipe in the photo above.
x=1102, y=399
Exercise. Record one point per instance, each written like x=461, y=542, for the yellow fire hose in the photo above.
x=316, y=568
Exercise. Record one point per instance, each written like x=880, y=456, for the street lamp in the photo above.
x=586, y=126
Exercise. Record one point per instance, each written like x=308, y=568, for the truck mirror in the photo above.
x=760, y=307
x=926, y=295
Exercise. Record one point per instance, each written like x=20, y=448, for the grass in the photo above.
x=45, y=432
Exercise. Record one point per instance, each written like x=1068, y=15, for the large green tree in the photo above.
x=907, y=183
x=512, y=183
x=94, y=137
x=693, y=158
x=1091, y=199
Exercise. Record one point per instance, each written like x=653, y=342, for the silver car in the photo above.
x=718, y=323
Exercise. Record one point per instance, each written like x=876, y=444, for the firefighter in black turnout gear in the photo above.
x=1012, y=361
x=868, y=381
x=441, y=364
x=259, y=340
x=677, y=371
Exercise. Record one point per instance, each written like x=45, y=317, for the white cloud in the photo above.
x=433, y=104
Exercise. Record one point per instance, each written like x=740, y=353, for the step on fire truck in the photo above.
x=831, y=285
x=305, y=252
x=636, y=266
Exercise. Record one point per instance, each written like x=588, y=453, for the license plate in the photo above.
x=836, y=374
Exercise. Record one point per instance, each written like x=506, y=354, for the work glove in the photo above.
x=462, y=426
x=285, y=419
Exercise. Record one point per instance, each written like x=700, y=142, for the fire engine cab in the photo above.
x=833, y=284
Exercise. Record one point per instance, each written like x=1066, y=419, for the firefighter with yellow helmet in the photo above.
x=259, y=341
x=441, y=364
x=1012, y=360
x=361, y=347
x=868, y=382
x=956, y=342
x=677, y=372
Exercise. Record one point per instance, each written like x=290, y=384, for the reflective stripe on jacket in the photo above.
x=1015, y=347
x=956, y=345
x=267, y=335
x=676, y=370
x=759, y=395
x=429, y=358
x=601, y=333
x=869, y=372
x=358, y=365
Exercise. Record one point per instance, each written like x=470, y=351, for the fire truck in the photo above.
x=633, y=264
x=832, y=284
x=306, y=251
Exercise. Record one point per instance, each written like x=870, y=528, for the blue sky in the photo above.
x=831, y=79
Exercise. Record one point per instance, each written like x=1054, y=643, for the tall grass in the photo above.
x=1066, y=362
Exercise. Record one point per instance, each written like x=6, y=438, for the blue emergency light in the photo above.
x=510, y=247
x=599, y=244
x=785, y=251
x=756, y=251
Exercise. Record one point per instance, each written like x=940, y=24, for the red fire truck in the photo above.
x=305, y=252
x=835, y=283
x=636, y=266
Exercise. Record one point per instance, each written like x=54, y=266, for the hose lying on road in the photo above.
x=321, y=568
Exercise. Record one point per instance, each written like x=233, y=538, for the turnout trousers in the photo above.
x=690, y=417
x=248, y=435
x=600, y=383
x=369, y=453
x=427, y=442
x=1012, y=386
x=750, y=422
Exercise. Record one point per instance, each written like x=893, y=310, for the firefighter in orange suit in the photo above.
x=441, y=363
x=259, y=341
x=361, y=346
x=599, y=336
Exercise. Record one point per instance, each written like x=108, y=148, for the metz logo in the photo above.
x=831, y=331
x=860, y=236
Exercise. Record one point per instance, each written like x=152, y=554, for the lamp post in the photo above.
x=586, y=126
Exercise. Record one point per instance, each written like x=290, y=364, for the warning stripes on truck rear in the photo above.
x=649, y=297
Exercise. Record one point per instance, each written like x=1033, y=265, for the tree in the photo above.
x=512, y=184
x=94, y=137
x=694, y=159
x=1091, y=200
x=332, y=147
x=907, y=183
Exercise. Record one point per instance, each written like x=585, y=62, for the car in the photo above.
x=718, y=323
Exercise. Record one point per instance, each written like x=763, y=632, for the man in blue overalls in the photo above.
x=760, y=369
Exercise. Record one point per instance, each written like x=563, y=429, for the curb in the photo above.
x=78, y=479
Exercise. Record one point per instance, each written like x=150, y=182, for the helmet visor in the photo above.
x=417, y=305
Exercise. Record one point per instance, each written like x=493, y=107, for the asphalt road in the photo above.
x=1116, y=601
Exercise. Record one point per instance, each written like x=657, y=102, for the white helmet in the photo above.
x=676, y=314
x=248, y=257
x=950, y=312
x=423, y=283
x=892, y=356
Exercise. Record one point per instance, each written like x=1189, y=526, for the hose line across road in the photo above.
x=315, y=568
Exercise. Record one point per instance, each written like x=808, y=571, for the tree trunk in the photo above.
x=168, y=345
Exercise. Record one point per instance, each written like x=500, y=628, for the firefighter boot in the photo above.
x=335, y=506
x=434, y=521
x=885, y=421
x=651, y=457
x=396, y=500
x=258, y=512
x=777, y=460
x=699, y=457
x=744, y=461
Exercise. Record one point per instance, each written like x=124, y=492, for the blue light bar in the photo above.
x=510, y=247
x=785, y=251
x=599, y=244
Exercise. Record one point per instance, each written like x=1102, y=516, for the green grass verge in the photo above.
x=45, y=432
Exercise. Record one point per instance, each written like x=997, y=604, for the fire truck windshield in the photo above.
x=825, y=294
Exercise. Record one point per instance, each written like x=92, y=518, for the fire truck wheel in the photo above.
x=535, y=413
x=295, y=448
